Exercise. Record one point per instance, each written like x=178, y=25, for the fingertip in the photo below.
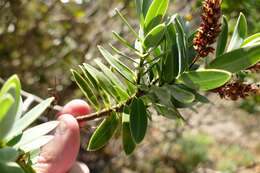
x=70, y=122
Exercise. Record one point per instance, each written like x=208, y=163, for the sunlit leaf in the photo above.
x=104, y=83
x=154, y=37
x=237, y=60
x=37, y=143
x=239, y=33
x=35, y=132
x=28, y=118
x=119, y=66
x=252, y=40
x=205, y=79
x=13, y=87
x=155, y=14
x=86, y=89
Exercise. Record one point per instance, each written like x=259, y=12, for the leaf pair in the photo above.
x=134, y=125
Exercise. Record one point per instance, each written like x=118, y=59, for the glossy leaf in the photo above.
x=155, y=14
x=205, y=79
x=29, y=117
x=239, y=33
x=86, y=89
x=154, y=37
x=223, y=37
x=128, y=142
x=252, y=40
x=138, y=120
x=119, y=66
x=103, y=133
x=237, y=60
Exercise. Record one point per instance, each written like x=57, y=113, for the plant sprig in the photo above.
x=161, y=78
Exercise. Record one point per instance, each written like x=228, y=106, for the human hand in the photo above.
x=59, y=155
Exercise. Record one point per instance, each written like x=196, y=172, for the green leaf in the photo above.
x=113, y=78
x=119, y=66
x=145, y=6
x=128, y=142
x=223, y=37
x=237, y=60
x=29, y=118
x=127, y=24
x=180, y=94
x=36, y=132
x=19, y=109
x=252, y=40
x=95, y=85
x=161, y=94
x=104, y=82
x=142, y=7
x=154, y=37
x=86, y=89
x=103, y=133
x=8, y=154
x=168, y=112
x=205, y=79
x=13, y=87
x=181, y=45
x=239, y=33
x=6, y=101
x=138, y=120
x=10, y=167
x=155, y=14
x=171, y=65
x=123, y=41
x=139, y=6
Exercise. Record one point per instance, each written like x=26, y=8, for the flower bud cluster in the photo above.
x=209, y=29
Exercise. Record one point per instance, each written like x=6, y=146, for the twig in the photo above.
x=106, y=112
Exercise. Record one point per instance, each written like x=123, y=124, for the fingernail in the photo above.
x=61, y=128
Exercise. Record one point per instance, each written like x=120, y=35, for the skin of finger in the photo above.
x=59, y=154
x=79, y=167
x=76, y=107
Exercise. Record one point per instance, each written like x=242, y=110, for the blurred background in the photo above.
x=41, y=40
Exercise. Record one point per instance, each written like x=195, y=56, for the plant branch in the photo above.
x=106, y=112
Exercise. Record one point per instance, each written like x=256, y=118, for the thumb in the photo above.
x=60, y=153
